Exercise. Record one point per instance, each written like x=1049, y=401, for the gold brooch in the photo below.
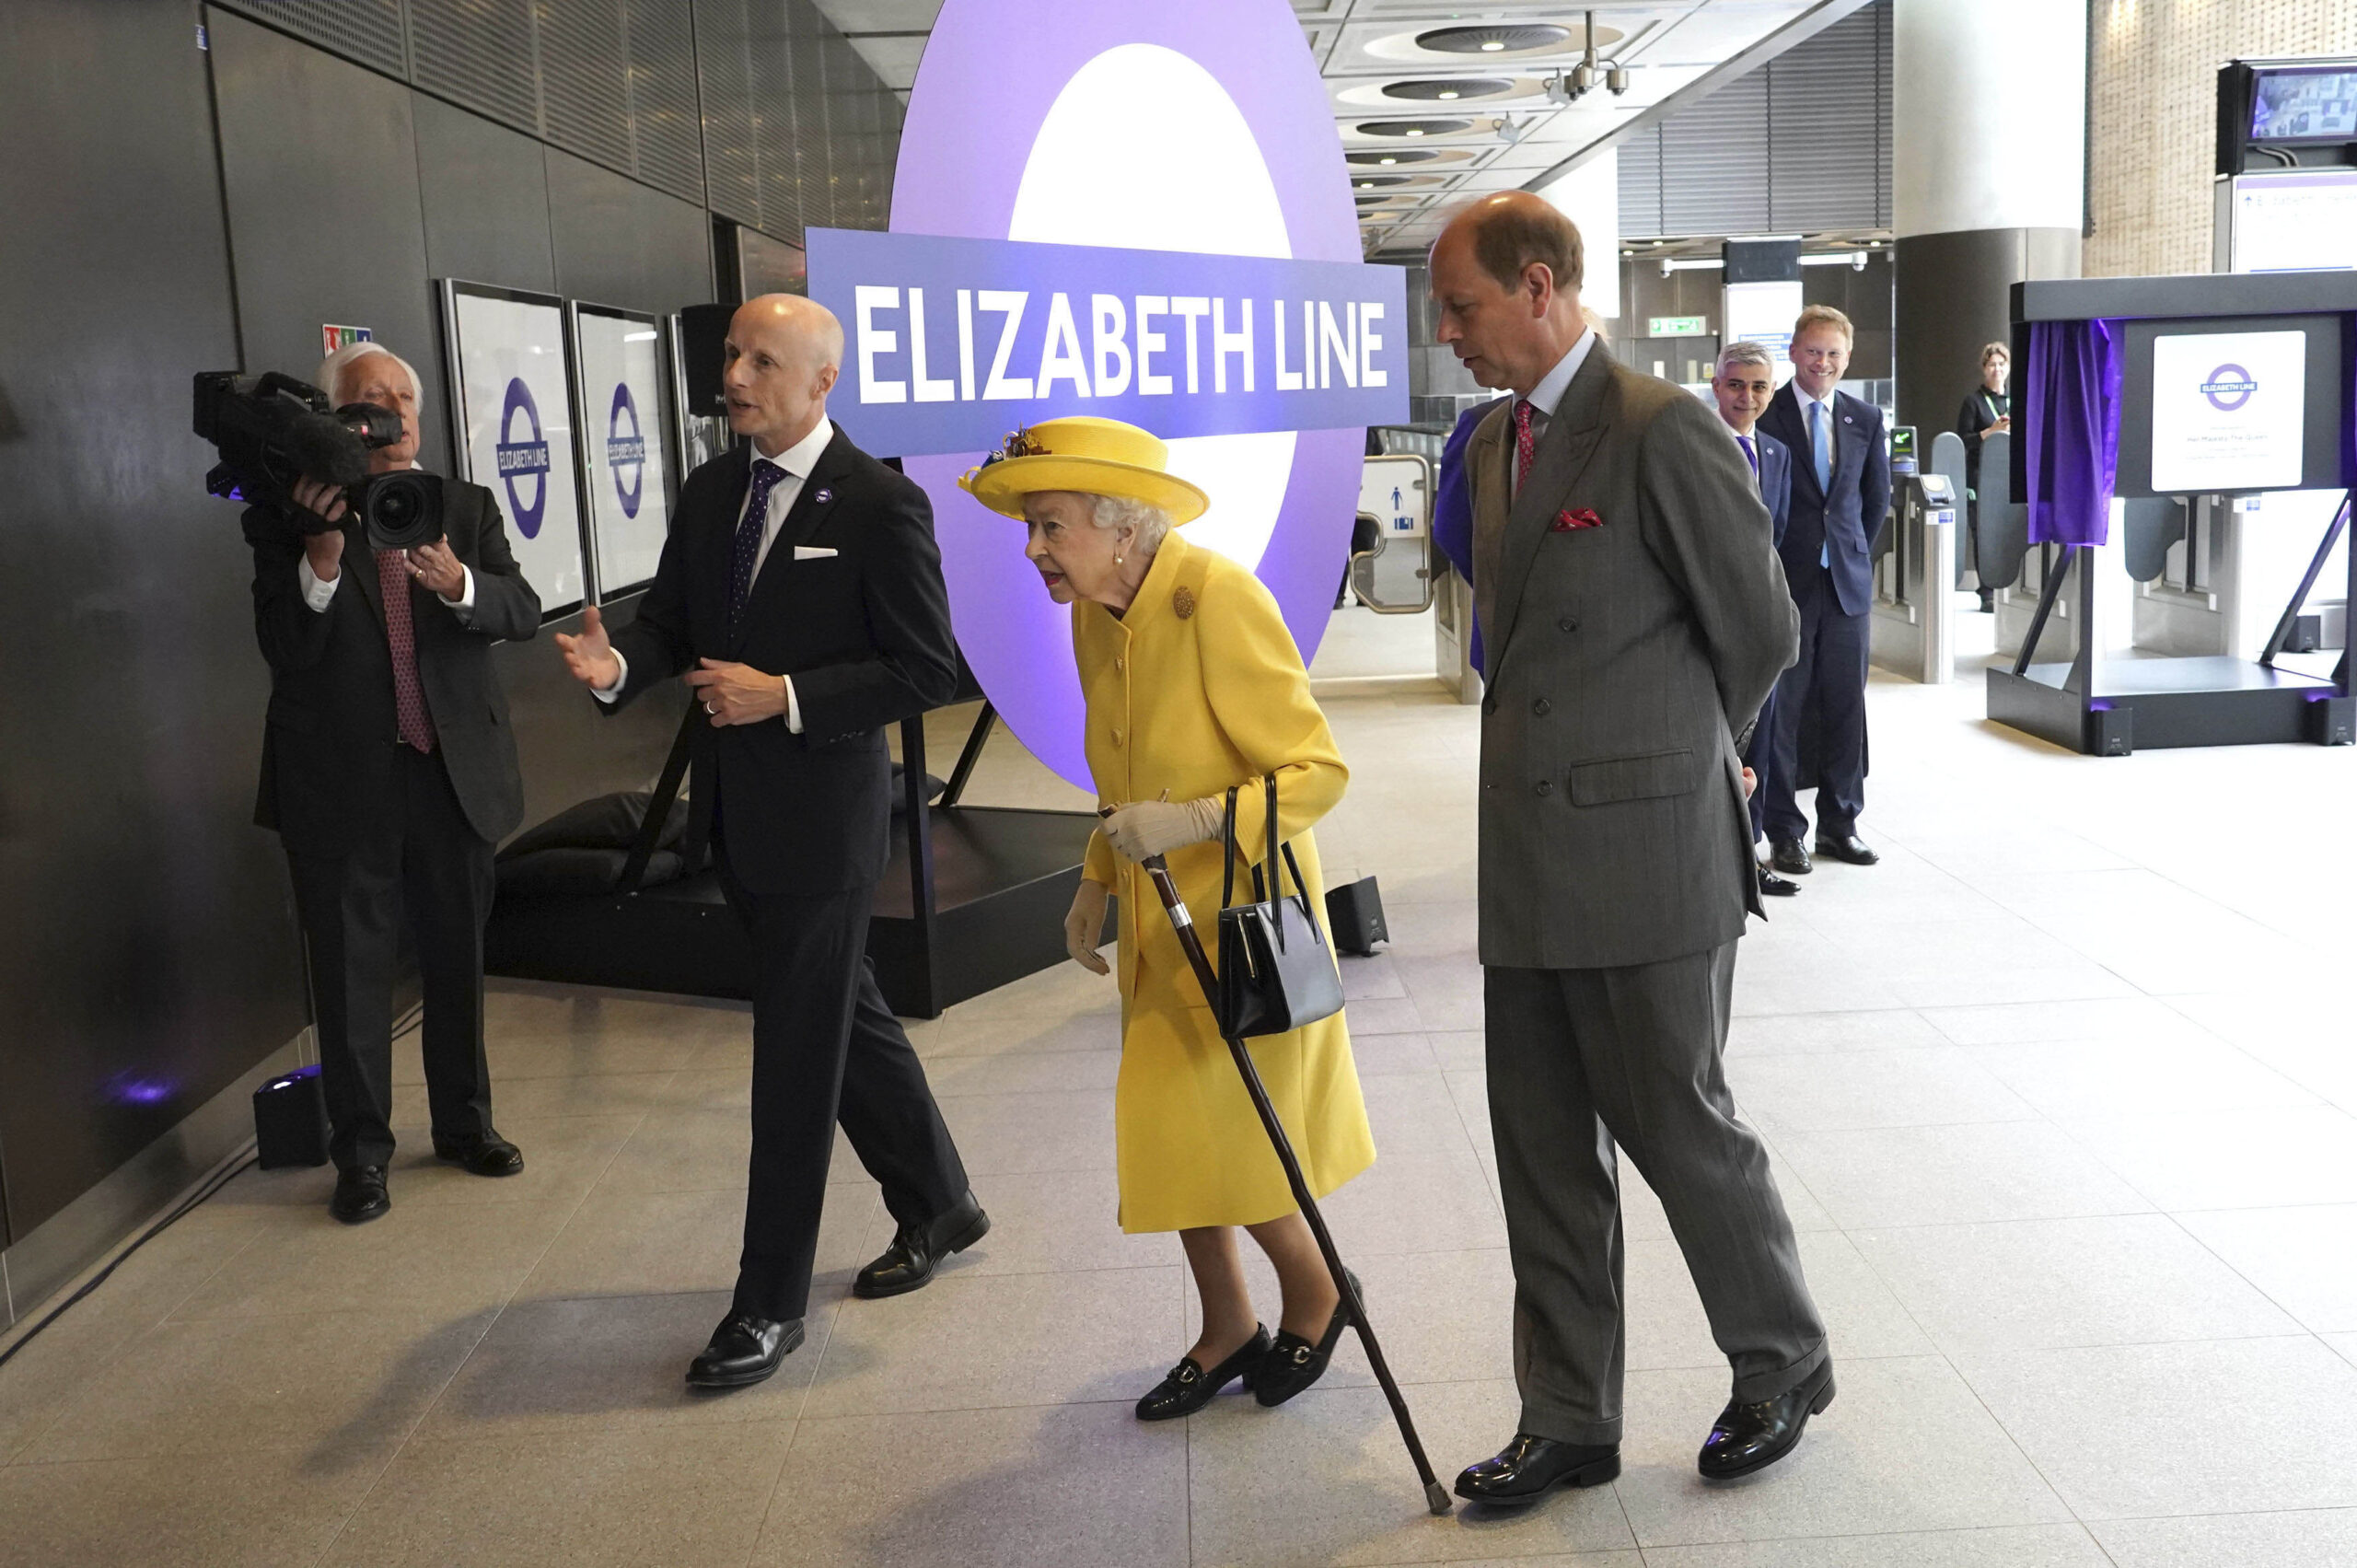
x=1183, y=601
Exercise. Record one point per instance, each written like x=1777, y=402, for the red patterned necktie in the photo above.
x=1525, y=448
x=409, y=697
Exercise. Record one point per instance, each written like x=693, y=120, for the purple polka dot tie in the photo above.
x=766, y=475
x=415, y=724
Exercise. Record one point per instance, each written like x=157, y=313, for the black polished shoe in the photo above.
x=1777, y=886
x=1847, y=846
x=744, y=1349
x=1529, y=1467
x=1293, y=1364
x=918, y=1250
x=483, y=1153
x=360, y=1195
x=1787, y=856
x=1188, y=1388
x=1752, y=1437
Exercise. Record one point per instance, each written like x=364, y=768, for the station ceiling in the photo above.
x=1437, y=103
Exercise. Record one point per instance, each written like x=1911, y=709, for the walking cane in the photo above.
x=1435, y=1494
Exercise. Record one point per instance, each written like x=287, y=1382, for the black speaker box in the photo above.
x=291, y=1120
x=703, y=330
x=1355, y=918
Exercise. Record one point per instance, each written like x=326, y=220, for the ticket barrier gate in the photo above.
x=1394, y=575
x=1915, y=572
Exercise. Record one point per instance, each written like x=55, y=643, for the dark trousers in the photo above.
x=1821, y=713
x=826, y=1049
x=1580, y=1061
x=1760, y=757
x=424, y=863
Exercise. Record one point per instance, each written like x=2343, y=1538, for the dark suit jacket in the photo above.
x=1845, y=521
x=327, y=759
x=1624, y=657
x=1775, y=479
x=863, y=633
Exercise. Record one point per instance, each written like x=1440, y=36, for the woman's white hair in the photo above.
x=1151, y=522
x=337, y=366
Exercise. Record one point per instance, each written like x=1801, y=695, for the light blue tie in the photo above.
x=1822, y=450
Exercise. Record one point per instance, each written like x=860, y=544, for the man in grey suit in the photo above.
x=1635, y=618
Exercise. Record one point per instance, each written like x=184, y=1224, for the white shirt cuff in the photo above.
x=316, y=594
x=463, y=607
x=793, y=707
x=608, y=693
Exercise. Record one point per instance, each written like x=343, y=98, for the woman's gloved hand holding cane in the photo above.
x=1137, y=833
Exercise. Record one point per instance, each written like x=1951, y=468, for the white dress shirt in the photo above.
x=1832, y=452
x=1549, y=392
x=798, y=461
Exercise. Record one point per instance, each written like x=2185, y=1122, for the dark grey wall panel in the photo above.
x=480, y=53
x=1800, y=145
x=374, y=32
x=320, y=160
x=146, y=952
x=618, y=243
x=483, y=190
x=585, y=79
x=666, y=141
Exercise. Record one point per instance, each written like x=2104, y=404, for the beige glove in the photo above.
x=1084, y=926
x=1157, y=827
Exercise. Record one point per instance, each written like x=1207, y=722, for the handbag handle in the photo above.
x=1272, y=887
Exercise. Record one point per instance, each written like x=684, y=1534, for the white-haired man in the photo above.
x=801, y=594
x=388, y=772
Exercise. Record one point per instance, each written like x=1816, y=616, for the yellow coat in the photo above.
x=1197, y=689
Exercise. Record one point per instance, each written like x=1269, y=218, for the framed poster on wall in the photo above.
x=618, y=364
x=511, y=428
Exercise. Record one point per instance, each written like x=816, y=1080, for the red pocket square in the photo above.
x=1583, y=519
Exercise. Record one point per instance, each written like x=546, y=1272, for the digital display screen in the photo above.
x=2305, y=106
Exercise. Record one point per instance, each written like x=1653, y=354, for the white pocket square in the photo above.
x=812, y=553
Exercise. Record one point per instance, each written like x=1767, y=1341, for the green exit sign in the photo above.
x=1676, y=327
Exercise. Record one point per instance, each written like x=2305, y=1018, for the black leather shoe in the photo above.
x=360, y=1195
x=1752, y=1437
x=744, y=1349
x=1847, y=846
x=1293, y=1364
x=1787, y=856
x=1529, y=1467
x=483, y=1153
x=1777, y=886
x=1188, y=1388
x=918, y=1250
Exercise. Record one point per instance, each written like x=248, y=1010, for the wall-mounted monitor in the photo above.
x=618, y=359
x=2229, y=405
x=2314, y=103
x=511, y=428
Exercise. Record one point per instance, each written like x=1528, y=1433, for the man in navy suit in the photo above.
x=1745, y=380
x=1840, y=487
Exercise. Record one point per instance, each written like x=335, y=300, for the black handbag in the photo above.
x=1276, y=972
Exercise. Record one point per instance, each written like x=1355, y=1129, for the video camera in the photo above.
x=272, y=430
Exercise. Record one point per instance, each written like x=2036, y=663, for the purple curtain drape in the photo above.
x=2072, y=429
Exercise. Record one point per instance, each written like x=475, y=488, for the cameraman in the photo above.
x=389, y=770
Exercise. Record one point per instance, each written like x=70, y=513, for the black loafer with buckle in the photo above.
x=1293, y=1364
x=1188, y=1388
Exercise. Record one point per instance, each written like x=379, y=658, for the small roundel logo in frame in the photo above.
x=522, y=454
x=626, y=451
x=2228, y=387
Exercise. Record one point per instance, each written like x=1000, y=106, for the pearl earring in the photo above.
x=1116, y=561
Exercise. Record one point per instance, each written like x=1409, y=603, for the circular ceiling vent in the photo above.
x=1500, y=38
x=1389, y=155
x=1448, y=90
x=1414, y=127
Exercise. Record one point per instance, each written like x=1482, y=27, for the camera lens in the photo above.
x=403, y=510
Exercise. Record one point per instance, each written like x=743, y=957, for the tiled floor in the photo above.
x=2064, y=1101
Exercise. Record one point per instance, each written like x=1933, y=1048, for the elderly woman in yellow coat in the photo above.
x=1193, y=687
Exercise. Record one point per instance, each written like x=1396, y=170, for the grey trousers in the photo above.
x=1581, y=1060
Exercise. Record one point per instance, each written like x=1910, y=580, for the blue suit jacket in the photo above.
x=1775, y=479
x=1453, y=507
x=1842, y=523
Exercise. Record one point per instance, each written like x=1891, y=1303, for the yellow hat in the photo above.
x=1094, y=457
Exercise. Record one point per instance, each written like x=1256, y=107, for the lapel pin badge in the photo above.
x=823, y=498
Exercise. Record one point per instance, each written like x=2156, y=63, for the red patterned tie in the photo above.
x=1524, y=449
x=409, y=697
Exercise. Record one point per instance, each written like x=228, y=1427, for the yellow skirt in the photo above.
x=1191, y=1149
